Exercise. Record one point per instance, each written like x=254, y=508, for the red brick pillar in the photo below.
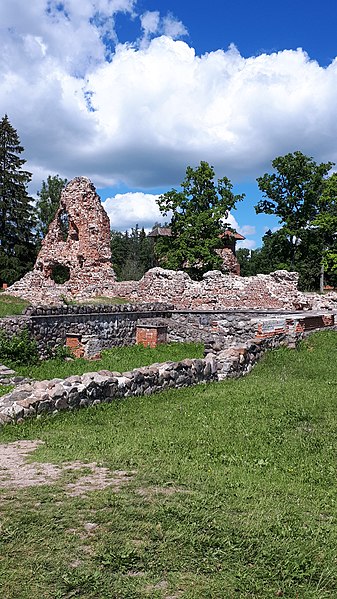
x=75, y=345
x=151, y=335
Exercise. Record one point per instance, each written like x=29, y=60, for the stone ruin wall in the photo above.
x=79, y=239
x=277, y=291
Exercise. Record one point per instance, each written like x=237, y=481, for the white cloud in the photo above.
x=247, y=230
x=125, y=210
x=141, y=113
x=173, y=28
x=150, y=21
x=248, y=244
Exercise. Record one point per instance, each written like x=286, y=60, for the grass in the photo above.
x=5, y=389
x=119, y=359
x=10, y=305
x=234, y=496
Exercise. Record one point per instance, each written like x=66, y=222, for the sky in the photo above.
x=131, y=92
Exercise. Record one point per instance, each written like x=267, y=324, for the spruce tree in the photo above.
x=17, y=239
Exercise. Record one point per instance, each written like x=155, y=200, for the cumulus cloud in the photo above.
x=125, y=210
x=139, y=113
x=245, y=230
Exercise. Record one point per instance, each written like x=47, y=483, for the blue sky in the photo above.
x=130, y=92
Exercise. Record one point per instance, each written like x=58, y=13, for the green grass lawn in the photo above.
x=119, y=359
x=10, y=305
x=234, y=493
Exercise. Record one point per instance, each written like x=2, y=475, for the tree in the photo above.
x=292, y=193
x=275, y=254
x=132, y=253
x=48, y=202
x=197, y=221
x=326, y=222
x=17, y=239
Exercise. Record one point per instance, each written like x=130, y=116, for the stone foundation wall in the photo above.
x=103, y=327
x=113, y=326
x=53, y=396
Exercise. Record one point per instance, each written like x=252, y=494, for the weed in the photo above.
x=18, y=349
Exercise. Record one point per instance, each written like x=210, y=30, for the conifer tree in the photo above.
x=17, y=247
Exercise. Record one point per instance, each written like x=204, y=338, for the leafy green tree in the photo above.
x=326, y=222
x=48, y=202
x=17, y=238
x=198, y=214
x=292, y=193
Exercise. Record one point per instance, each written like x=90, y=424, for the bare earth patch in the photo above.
x=17, y=473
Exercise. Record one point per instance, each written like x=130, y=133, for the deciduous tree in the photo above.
x=197, y=222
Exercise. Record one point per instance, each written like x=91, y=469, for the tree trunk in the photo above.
x=321, y=279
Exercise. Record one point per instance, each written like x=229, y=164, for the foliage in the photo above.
x=17, y=245
x=197, y=222
x=60, y=273
x=132, y=254
x=18, y=349
x=233, y=492
x=100, y=300
x=48, y=202
x=326, y=222
x=118, y=359
x=276, y=254
x=10, y=305
x=61, y=352
x=297, y=192
x=292, y=192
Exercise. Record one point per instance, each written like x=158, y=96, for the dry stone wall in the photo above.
x=35, y=398
x=42, y=397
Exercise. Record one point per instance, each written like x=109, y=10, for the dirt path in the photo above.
x=17, y=473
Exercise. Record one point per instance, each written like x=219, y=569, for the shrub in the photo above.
x=20, y=348
x=61, y=352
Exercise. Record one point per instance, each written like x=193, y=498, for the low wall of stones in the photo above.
x=112, y=325
x=227, y=327
x=104, y=327
x=43, y=397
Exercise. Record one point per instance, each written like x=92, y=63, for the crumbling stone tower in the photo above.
x=79, y=237
x=76, y=248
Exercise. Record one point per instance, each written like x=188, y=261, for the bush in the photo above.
x=18, y=349
x=61, y=352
